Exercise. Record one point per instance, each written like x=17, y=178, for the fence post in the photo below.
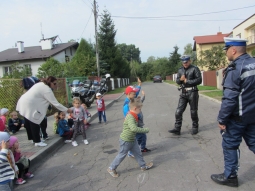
x=118, y=82
x=112, y=81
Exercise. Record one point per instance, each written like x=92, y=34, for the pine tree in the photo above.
x=84, y=61
x=110, y=58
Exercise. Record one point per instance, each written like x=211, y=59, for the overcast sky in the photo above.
x=20, y=21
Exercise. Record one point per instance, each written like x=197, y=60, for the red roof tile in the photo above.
x=218, y=38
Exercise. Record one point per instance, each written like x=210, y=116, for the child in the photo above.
x=141, y=137
x=131, y=93
x=23, y=170
x=100, y=108
x=87, y=112
x=4, y=114
x=15, y=123
x=78, y=115
x=62, y=127
x=128, y=141
x=8, y=168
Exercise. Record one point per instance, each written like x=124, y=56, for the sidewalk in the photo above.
x=38, y=154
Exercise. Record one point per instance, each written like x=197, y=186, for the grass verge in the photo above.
x=214, y=94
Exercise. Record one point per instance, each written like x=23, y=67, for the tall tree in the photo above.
x=130, y=52
x=84, y=61
x=213, y=58
x=109, y=54
x=188, y=50
x=174, y=61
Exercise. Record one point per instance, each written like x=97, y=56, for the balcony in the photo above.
x=251, y=40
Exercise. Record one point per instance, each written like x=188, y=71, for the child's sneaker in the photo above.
x=74, y=143
x=113, y=173
x=68, y=141
x=145, y=150
x=147, y=166
x=20, y=181
x=29, y=175
x=86, y=142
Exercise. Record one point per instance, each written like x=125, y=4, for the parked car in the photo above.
x=157, y=79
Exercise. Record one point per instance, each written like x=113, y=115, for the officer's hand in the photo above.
x=222, y=127
x=182, y=78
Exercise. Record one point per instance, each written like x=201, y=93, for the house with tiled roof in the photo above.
x=33, y=57
x=246, y=30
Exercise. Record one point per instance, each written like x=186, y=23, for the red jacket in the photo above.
x=100, y=104
x=2, y=125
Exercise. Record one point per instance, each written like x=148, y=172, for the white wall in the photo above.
x=35, y=64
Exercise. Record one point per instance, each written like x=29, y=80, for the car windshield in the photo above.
x=157, y=77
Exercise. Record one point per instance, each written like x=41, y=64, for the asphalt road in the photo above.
x=180, y=162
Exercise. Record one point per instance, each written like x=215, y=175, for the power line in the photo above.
x=198, y=19
x=86, y=24
x=131, y=17
x=85, y=3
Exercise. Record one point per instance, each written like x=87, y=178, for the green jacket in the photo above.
x=130, y=129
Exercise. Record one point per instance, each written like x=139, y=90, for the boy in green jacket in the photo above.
x=128, y=141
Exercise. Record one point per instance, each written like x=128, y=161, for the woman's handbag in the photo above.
x=23, y=160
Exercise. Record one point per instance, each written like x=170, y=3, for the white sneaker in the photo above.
x=74, y=143
x=68, y=141
x=42, y=140
x=41, y=144
x=86, y=142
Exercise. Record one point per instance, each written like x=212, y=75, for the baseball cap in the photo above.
x=130, y=89
x=98, y=94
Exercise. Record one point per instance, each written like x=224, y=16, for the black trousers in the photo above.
x=22, y=169
x=43, y=126
x=33, y=131
x=186, y=97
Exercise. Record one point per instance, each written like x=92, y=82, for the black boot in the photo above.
x=221, y=179
x=175, y=131
x=194, y=131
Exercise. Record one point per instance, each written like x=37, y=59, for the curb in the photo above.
x=57, y=143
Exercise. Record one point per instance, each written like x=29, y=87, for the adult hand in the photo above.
x=222, y=127
x=182, y=78
x=185, y=80
x=69, y=110
x=143, y=93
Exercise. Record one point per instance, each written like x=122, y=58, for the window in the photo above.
x=7, y=70
x=27, y=66
x=67, y=58
x=239, y=35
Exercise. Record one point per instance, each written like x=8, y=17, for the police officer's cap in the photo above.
x=233, y=42
x=185, y=58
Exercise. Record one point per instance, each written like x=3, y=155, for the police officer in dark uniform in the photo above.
x=188, y=77
x=237, y=113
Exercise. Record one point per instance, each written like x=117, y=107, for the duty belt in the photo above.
x=191, y=88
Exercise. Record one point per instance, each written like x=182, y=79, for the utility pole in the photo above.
x=97, y=53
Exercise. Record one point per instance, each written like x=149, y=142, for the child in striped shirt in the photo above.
x=128, y=141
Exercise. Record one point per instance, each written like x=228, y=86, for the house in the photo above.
x=34, y=56
x=246, y=30
x=202, y=43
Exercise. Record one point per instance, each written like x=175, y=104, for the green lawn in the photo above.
x=170, y=82
x=206, y=88
x=214, y=94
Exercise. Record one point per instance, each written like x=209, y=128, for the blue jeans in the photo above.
x=231, y=141
x=141, y=139
x=100, y=114
x=124, y=148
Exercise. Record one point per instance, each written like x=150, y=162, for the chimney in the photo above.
x=46, y=44
x=219, y=33
x=20, y=45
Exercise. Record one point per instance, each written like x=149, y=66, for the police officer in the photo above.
x=188, y=77
x=236, y=116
